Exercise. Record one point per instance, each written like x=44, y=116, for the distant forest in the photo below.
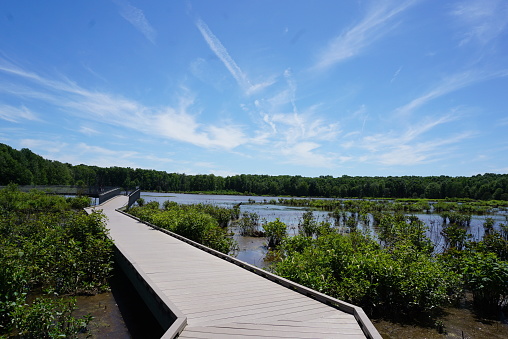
x=27, y=168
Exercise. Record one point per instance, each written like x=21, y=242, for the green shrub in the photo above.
x=188, y=221
x=78, y=203
x=248, y=224
x=486, y=277
x=308, y=226
x=354, y=268
x=275, y=231
x=48, y=318
x=44, y=246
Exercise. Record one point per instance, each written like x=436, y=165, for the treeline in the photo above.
x=27, y=168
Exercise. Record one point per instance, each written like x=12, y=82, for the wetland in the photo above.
x=437, y=228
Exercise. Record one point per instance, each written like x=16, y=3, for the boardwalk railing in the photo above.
x=366, y=325
x=133, y=197
x=104, y=196
x=92, y=191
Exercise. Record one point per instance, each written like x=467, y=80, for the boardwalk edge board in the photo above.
x=363, y=320
x=167, y=314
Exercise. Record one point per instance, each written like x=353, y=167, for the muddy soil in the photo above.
x=120, y=313
x=455, y=322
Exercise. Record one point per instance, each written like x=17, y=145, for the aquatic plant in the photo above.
x=275, y=231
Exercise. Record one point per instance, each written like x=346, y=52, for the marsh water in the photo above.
x=117, y=314
x=253, y=250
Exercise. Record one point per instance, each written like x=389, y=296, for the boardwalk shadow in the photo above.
x=138, y=318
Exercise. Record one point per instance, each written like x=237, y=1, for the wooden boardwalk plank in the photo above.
x=220, y=299
x=240, y=332
x=233, y=307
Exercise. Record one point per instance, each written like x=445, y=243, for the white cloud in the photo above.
x=88, y=131
x=376, y=23
x=136, y=17
x=421, y=152
x=82, y=153
x=382, y=141
x=285, y=120
x=83, y=148
x=180, y=125
x=44, y=145
x=304, y=153
x=96, y=155
x=449, y=84
x=502, y=122
x=482, y=21
x=221, y=52
x=175, y=123
x=295, y=136
x=396, y=74
x=412, y=146
x=16, y=114
x=259, y=87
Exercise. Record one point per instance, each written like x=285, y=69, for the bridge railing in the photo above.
x=133, y=197
x=109, y=194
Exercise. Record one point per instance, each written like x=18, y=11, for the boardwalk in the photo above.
x=220, y=299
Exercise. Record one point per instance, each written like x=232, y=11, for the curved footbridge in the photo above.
x=195, y=294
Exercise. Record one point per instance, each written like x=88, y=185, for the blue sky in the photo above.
x=368, y=88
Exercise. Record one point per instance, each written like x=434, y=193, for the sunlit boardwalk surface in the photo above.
x=221, y=299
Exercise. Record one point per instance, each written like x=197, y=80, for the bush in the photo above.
x=275, y=231
x=188, y=221
x=48, y=318
x=308, y=226
x=248, y=224
x=356, y=269
x=486, y=277
x=44, y=246
x=78, y=203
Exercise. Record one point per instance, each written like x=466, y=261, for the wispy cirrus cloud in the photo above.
x=136, y=18
x=378, y=20
x=45, y=145
x=88, y=131
x=305, y=153
x=221, y=52
x=170, y=122
x=481, y=21
x=88, y=154
x=16, y=114
x=448, y=85
x=296, y=136
x=420, y=153
x=380, y=141
x=502, y=122
x=414, y=145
